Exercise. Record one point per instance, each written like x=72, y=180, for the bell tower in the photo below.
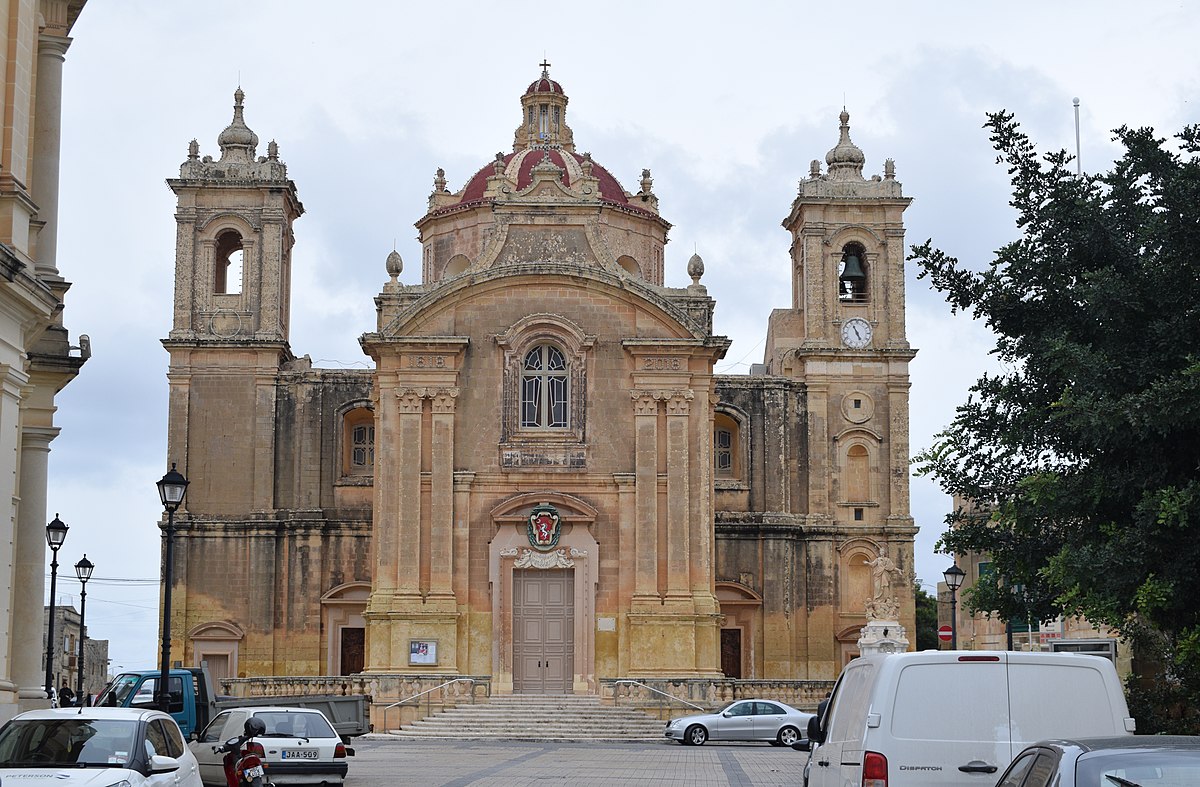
x=844, y=339
x=229, y=337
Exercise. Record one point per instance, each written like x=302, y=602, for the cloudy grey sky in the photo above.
x=726, y=104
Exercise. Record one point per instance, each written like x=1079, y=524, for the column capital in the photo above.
x=443, y=399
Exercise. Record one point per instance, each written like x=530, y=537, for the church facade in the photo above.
x=542, y=479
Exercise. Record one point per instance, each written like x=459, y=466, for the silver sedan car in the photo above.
x=1127, y=761
x=742, y=720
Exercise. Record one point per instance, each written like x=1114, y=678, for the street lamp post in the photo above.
x=83, y=570
x=954, y=579
x=171, y=490
x=56, y=534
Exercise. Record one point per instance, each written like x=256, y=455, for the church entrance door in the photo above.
x=544, y=628
x=731, y=652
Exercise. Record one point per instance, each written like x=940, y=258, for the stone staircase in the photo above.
x=541, y=717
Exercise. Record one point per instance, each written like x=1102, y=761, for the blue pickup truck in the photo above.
x=194, y=702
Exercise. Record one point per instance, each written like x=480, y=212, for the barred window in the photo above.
x=724, y=452
x=544, y=388
x=358, y=442
x=363, y=447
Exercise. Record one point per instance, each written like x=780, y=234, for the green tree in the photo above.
x=927, y=620
x=1084, y=452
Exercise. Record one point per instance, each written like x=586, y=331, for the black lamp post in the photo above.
x=954, y=579
x=83, y=570
x=56, y=534
x=171, y=490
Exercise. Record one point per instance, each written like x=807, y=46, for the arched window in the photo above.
x=544, y=388
x=852, y=274
x=726, y=453
x=358, y=442
x=858, y=474
x=227, y=276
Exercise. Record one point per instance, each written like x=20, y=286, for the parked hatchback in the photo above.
x=741, y=720
x=299, y=746
x=1127, y=761
x=96, y=746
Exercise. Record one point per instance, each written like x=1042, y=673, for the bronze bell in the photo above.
x=852, y=271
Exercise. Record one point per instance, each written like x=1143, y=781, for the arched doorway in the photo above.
x=215, y=646
x=343, y=628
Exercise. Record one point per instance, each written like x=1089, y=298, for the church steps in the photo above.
x=536, y=717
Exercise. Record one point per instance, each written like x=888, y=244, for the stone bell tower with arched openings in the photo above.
x=844, y=340
x=229, y=337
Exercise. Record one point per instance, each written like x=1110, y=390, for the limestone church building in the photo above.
x=542, y=479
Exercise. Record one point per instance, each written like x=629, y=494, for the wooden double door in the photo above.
x=543, y=630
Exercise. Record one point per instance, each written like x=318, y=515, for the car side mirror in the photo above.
x=727, y=714
x=349, y=751
x=161, y=764
x=804, y=744
x=815, y=733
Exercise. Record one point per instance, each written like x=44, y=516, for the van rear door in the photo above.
x=947, y=723
x=838, y=760
x=1056, y=695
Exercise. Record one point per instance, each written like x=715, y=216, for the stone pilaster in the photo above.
x=408, y=469
x=47, y=136
x=678, y=406
x=29, y=569
x=645, y=427
x=441, y=506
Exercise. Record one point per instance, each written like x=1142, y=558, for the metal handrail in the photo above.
x=427, y=691
x=662, y=693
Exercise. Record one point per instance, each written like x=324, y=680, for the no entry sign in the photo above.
x=945, y=633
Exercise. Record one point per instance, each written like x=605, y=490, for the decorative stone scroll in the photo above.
x=412, y=399
x=528, y=558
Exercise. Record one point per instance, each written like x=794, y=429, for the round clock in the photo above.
x=856, y=333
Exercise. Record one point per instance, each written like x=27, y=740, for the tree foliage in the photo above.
x=926, y=637
x=1083, y=453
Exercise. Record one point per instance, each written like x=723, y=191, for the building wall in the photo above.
x=36, y=357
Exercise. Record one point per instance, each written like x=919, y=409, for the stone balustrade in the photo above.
x=709, y=694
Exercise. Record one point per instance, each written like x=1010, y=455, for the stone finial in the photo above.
x=889, y=169
x=695, y=268
x=647, y=183
x=814, y=169
x=395, y=265
x=273, y=151
x=498, y=164
x=845, y=159
x=193, y=150
x=439, y=181
x=586, y=165
x=237, y=141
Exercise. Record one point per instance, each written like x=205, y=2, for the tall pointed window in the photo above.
x=227, y=274
x=544, y=384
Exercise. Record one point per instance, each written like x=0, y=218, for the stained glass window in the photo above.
x=544, y=388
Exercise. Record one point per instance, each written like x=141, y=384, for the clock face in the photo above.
x=856, y=333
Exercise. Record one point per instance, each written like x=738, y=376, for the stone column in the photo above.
x=29, y=569
x=820, y=470
x=678, y=495
x=408, y=512
x=12, y=381
x=462, y=536
x=897, y=502
x=645, y=495
x=441, y=506
x=47, y=135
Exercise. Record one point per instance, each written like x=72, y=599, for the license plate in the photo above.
x=253, y=771
x=300, y=754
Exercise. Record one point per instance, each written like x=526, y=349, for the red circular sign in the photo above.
x=945, y=633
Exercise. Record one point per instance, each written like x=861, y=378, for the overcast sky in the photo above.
x=725, y=103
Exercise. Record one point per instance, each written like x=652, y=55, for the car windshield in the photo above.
x=1161, y=768
x=285, y=724
x=75, y=741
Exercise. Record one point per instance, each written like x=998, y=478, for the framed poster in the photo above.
x=422, y=651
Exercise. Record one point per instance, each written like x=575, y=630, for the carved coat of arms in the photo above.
x=544, y=527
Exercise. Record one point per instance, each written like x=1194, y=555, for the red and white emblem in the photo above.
x=543, y=527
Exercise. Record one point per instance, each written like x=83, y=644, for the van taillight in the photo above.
x=874, y=770
x=978, y=658
x=339, y=751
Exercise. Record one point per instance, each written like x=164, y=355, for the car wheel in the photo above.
x=695, y=735
x=787, y=736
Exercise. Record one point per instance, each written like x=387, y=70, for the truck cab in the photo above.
x=189, y=690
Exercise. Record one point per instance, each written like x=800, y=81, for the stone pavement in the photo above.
x=382, y=761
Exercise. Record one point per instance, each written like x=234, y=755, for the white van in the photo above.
x=957, y=717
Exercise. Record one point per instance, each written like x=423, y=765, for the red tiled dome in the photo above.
x=519, y=166
x=544, y=85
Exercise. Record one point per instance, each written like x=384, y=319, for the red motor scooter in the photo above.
x=243, y=758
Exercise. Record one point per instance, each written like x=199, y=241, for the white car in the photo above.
x=96, y=746
x=742, y=720
x=300, y=746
